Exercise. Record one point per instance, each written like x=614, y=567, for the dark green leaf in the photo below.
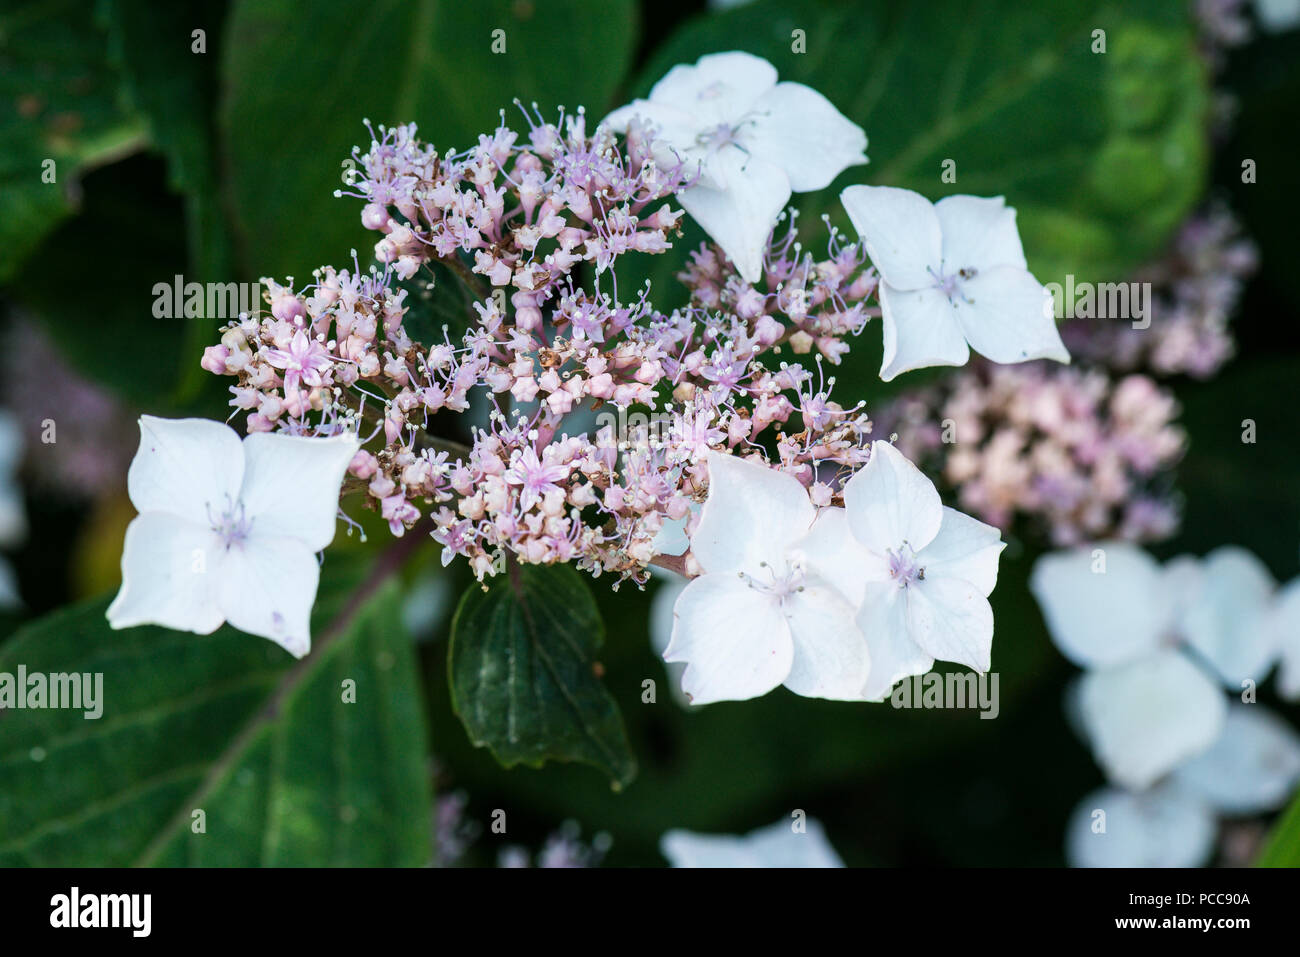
x=301, y=76
x=174, y=86
x=523, y=672
x=1101, y=153
x=58, y=101
x=106, y=328
x=285, y=772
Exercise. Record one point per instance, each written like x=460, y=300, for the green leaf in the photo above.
x=285, y=772
x=58, y=101
x=523, y=672
x=107, y=331
x=1102, y=154
x=175, y=88
x=1282, y=849
x=301, y=76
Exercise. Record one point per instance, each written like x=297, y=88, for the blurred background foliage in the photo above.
x=215, y=155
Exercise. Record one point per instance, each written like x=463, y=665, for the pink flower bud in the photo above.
x=374, y=216
x=214, y=359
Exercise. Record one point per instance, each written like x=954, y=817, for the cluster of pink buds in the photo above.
x=1072, y=450
x=530, y=233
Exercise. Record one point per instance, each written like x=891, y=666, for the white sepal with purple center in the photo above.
x=757, y=618
x=953, y=277
x=753, y=141
x=918, y=572
x=228, y=531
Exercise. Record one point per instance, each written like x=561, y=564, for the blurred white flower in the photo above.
x=1163, y=827
x=1224, y=617
x=953, y=277
x=777, y=845
x=1145, y=705
x=1276, y=16
x=753, y=140
x=670, y=586
x=228, y=530
x=1284, y=628
x=919, y=573
x=13, y=515
x=1251, y=768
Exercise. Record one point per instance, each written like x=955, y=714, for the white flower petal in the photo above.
x=777, y=845
x=671, y=539
x=739, y=218
x=901, y=231
x=1103, y=618
x=951, y=620
x=965, y=549
x=676, y=132
x=1253, y=767
x=267, y=587
x=734, y=640
x=1284, y=624
x=676, y=126
x=894, y=655
x=1225, y=620
x=920, y=331
x=832, y=553
x=979, y=233
x=802, y=132
x=830, y=654
x=1164, y=827
x=186, y=467
x=1146, y=717
x=1006, y=315
x=170, y=575
x=670, y=587
x=291, y=484
x=718, y=88
x=753, y=514
x=889, y=501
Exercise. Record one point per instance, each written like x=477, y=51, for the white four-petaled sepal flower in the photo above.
x=1143, y=703
x=777, y=845
x=1225, y=617
x=953, y=277
x=920, y=573
x=228, y=530
x=757, y=617
x=753, y=141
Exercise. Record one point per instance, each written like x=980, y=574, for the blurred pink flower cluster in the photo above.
x=1073, y=450
x=1195, y=291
